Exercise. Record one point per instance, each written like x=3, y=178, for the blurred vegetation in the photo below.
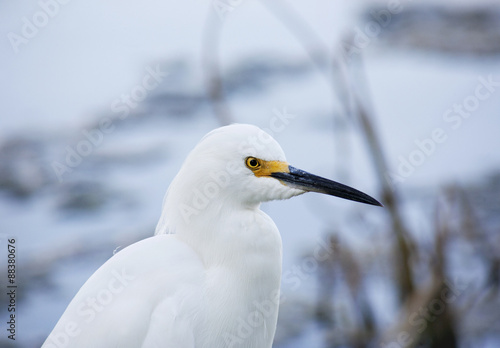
x=436, y=301
x=436, y=306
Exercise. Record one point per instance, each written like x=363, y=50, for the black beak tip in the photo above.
x=363, y=198
x=376, y=203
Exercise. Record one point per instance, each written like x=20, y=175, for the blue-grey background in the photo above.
x=70, y=79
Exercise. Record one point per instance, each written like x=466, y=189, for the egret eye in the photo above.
x=253, y=163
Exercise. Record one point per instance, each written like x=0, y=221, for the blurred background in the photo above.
x=102, y=101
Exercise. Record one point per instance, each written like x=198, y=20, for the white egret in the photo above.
x=210, y=276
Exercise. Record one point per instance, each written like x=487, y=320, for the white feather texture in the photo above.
x=210, y=277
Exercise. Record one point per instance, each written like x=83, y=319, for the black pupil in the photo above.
x=253, y=163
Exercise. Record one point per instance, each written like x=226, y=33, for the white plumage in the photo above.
x=210, y=276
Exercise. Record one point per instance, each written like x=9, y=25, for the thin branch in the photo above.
x=210, y=61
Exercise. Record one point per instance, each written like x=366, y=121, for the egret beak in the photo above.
x=312, y=183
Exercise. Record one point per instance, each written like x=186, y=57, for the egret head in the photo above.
x=241, y=165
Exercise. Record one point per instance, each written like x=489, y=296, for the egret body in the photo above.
x=210, y=276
